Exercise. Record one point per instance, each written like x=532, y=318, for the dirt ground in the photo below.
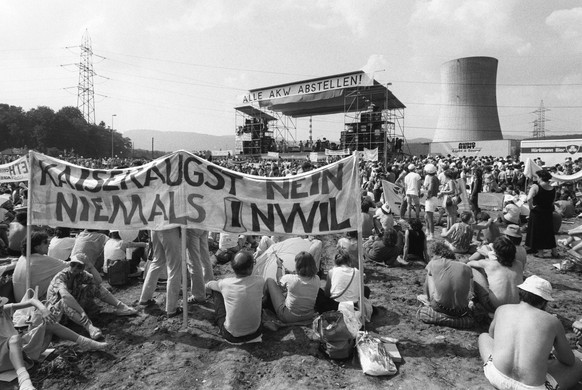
x=151, y=352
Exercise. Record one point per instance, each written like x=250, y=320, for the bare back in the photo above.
x=523, y=337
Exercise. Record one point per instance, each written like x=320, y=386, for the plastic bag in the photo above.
x=374, y=358
x=350, y=317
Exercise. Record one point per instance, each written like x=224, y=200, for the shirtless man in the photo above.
x=521, y=338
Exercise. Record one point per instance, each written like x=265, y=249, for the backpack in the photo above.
x=335, y=340
x=118, y=272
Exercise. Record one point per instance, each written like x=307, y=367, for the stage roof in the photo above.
x=347, y=92
x=255, y=113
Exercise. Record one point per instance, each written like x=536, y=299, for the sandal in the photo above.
x=191, y=299
x=149, y=302
x=178, y=311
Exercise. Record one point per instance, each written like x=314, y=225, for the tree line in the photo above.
x=57, y=133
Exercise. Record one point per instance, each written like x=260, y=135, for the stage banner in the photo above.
x=342, y=152
x=393, y=195
x=313, y=156
x=273, y=154
x=182, y=189
x=491, y=201
x=370, y=154
x=14, y=171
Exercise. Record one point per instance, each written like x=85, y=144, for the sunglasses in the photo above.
x=77, y=265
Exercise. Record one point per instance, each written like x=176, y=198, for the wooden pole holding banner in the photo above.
x=28, y=223
x=184, y=278
x=360, y=239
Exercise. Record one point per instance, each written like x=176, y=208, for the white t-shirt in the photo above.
x=340, y=277
x=412, y=183
x=61, y=248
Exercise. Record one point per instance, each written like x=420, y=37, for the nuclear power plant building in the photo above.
x=468, y=109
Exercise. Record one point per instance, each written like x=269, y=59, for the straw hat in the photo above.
x=430, y=168
x=512, y=231
x=537, y=286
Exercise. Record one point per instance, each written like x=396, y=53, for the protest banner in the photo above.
x=393, y=196
x=491, y=201
x=370, y=154
x=14, y=171
x=182, y=189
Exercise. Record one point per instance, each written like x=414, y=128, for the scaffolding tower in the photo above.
x=368, y=125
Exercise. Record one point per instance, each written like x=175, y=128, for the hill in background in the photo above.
x=169, y=141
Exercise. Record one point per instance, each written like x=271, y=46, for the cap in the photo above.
x=411, y=167
x=512, y=231
x=430, y=168
x=537, y=286
x=75, y=259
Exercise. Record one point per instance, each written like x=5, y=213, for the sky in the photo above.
x=183, y=65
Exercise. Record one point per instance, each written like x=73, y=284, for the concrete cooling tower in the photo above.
x=468, y=101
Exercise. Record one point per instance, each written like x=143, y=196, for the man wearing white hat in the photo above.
x=412, y=183
x=520, y=339
x=431, y=185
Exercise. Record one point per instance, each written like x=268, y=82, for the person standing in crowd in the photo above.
x=520, y=339
x=448, y=191
x=431, y=185
x=540, y=228
x=199, y=264
x=166, y=246
x=475, y=189
x=412, y=183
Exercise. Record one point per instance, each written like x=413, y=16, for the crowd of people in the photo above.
x=474, y=267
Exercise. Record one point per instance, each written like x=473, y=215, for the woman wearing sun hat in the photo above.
x=14, y=346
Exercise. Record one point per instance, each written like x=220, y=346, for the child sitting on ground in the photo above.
x=486, y=227
x=458, y=237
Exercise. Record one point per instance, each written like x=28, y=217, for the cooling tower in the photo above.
x=468, y=101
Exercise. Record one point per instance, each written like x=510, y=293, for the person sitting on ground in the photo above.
x=91, y=243
x=43, y=268
x=229, y=244
x=486, y=227
x=350, y=245
x=513, y=233
x=115, y=249
x=368, y=222
x=237, y=301
x=14, y=347
x=302, y=287
x=577, y=328
x=17, y=233
x=61, y=245
x=415, y=243
x=520, y=339
x=447, y=289
x=458, y=237
x=511, y=214
x=342, y=285
x=71, y=293
x=495, y=279
x=383, y=249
